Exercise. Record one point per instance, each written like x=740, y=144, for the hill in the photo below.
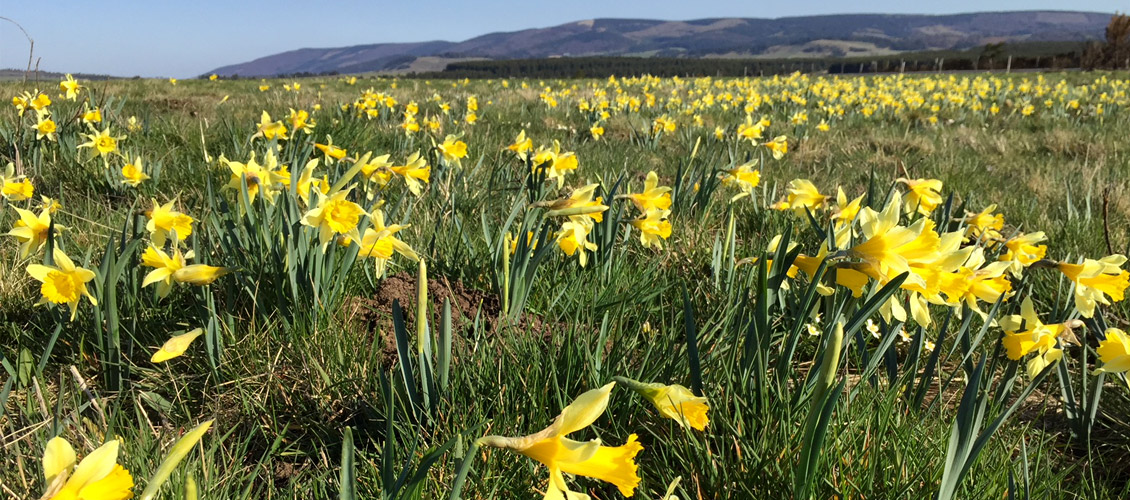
x=809, y=36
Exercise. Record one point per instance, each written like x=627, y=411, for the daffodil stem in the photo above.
x=464, y=468
x=505, y=279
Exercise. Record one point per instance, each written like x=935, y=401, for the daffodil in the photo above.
x=923, y=195
x=165, y=222
x=269, y=129
x=175, y=346
x=376, y=170
x=596, y=131
x=334, y=214
x=98, y=476
x=1025, y=334
x=40, y=102
x=562, y=455
x=330, y=151
x=15, y=187
x=63, y=283
x=555, y=162
x=300, y=121
x=101, y=143
x=653, y=195
x=92, y=116
x=984, y=225
x=887, y=248
x=801, y=195
x=673, y=401
x=380, y=242
x=1023, y=251
x=846, y=211
x=750, y=130
x=31, y=230
x=654, y=227
x=580, y=206
x=415, y=172
x=307, y=183
x=133, y=173
x=779, y=146
x=21, y=103
x=1114, y=352
x=745, y=176
x=45, y=128
x=1096, y=280
x=452, y=150
x=572, y=238
x=70, y=87
x=521, y=145
x=261, y=179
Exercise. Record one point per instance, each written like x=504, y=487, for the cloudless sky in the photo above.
x=183, y=38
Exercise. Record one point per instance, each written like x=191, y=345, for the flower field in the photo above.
x=703, y=288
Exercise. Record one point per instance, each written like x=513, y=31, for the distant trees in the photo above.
x=1114, y=52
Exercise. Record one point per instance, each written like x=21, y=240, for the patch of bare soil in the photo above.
x=374, y=313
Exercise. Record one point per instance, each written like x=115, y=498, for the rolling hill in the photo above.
x=810, y=36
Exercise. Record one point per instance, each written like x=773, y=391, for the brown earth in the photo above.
x=374, y=313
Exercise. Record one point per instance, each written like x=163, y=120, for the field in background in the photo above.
x=295, y=354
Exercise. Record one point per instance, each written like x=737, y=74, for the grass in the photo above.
x=284, y=387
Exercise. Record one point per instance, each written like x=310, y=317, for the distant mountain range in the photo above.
x=791, y=37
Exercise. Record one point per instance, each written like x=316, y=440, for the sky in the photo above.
x=161, y=38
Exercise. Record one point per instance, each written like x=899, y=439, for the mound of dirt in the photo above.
x=375, y=313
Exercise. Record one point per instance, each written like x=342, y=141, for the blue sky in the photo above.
x=186, y=38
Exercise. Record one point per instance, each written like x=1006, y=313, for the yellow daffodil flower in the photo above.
x=1025, y=334
x=269, y=129
x=415, y=172
x=300, y=121
x=555, y=162
x=376, y=170
x=653, y=195
x=379, y=243
x=15, y=187
x=63, y=283
x=98, y=475
x=800, y=195
x=654, y=227
x=1114, y=352
x=453, y=151
x=521, y=145
x=101, y=143
x=330, y=151
x=924, y=195
x=846, y=211
x=261, y=179
x=984, y=225
x=1023, y=251
x=45, y=127
x=70, y=87
x=165, y=223
x=1095, y=280
x=572, y=238
x=133, y=173
x=334, y=215
x=31, y=230
x=779, y=146
x=673, y=401
x=92, y=116
x=175, y=346
x=745, y=176
x=561, y=455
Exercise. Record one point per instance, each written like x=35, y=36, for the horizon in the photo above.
x=182, y=53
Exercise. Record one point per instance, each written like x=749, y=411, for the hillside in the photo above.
x=810, y=36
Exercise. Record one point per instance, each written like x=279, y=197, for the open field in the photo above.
x=942, y=328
